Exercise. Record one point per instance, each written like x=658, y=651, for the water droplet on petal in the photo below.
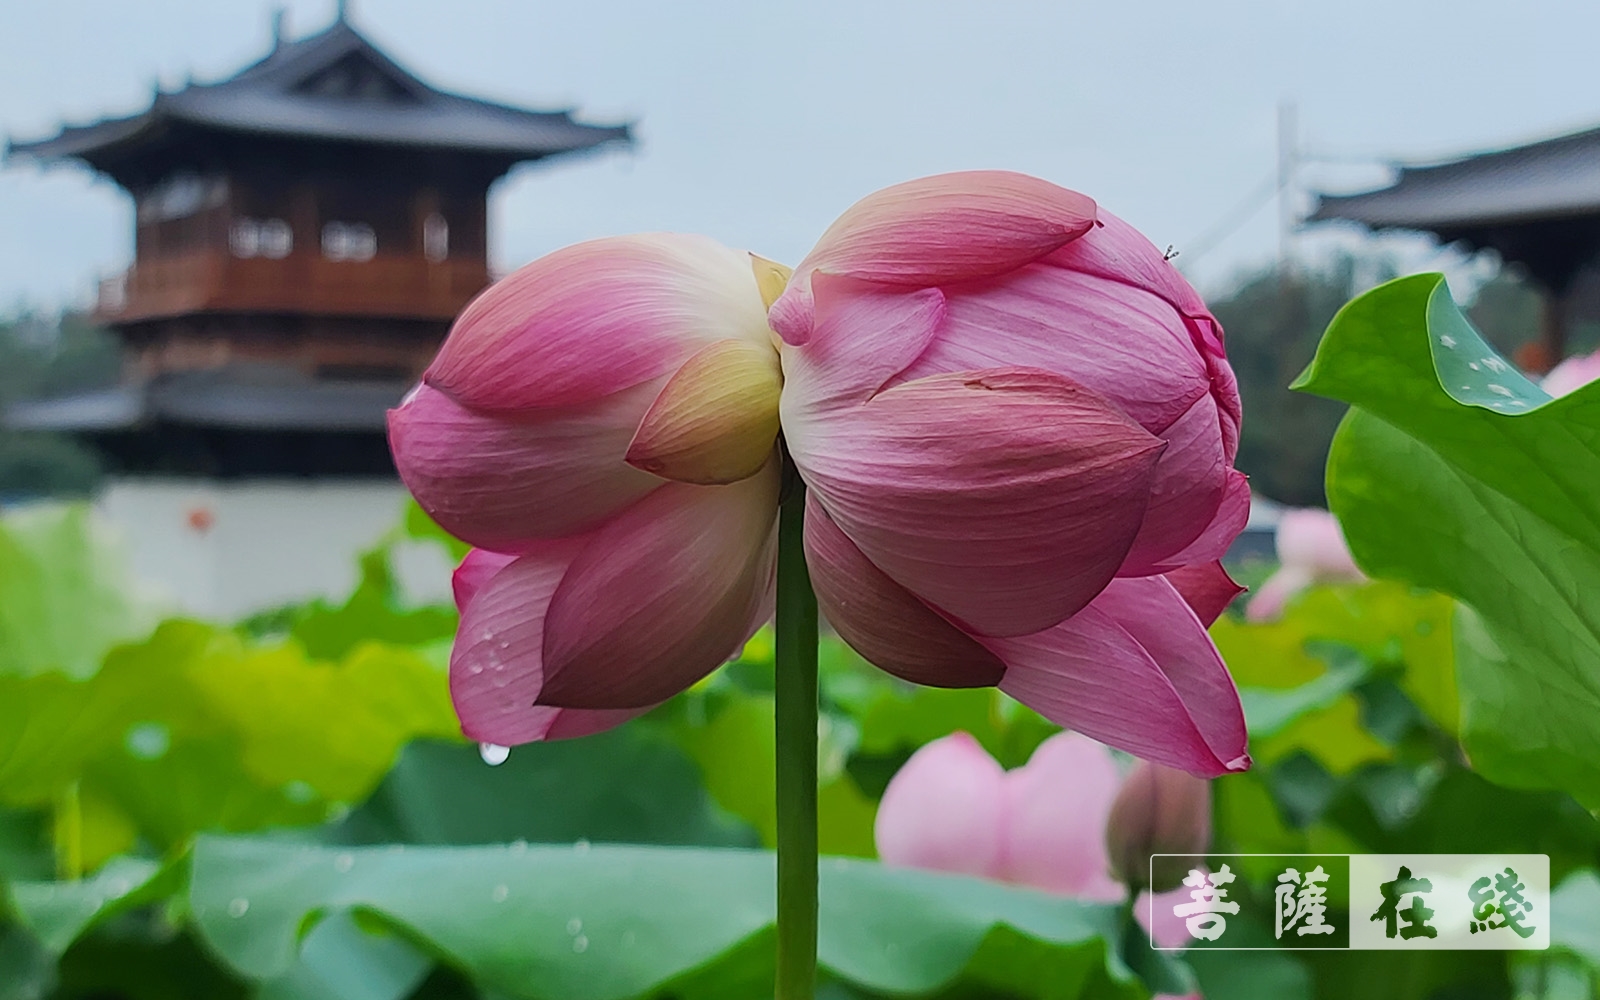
x=493, y=754
x=500, y=893
x=238, y=907
x=574, y=926
x=580, y=944
x=344, y=862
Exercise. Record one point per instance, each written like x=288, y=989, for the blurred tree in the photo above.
x=44, y=356
x=1273, y=322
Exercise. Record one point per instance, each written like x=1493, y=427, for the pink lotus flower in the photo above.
x=1311, y=550
x=1014, y=418
x=1047, y=825
x=1572, y=374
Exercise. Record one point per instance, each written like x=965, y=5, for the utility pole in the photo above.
x=1288, y=162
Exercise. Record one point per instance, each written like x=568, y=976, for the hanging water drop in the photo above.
x=493, y=754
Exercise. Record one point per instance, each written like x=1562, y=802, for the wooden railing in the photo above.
x=209, y=281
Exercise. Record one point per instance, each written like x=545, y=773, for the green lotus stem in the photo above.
x=796, y=694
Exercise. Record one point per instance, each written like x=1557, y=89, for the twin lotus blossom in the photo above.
x=1066, y=822
x=1014, y=419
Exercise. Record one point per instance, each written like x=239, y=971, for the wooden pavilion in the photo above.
x=305, y=231
x=1537, y=205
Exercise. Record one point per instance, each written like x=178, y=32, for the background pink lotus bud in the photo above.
x=1158, y=811
x=1572, y=374
x=944, y=810
x=1311, y=550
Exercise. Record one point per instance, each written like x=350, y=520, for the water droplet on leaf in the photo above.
x=147, y=740
x=238, y=907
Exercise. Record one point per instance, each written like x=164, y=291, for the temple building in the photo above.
x=305, y=231
x=1537, y=205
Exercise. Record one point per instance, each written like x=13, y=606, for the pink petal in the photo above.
x=882, y=621
x=865, y=336
x=716, y=419
x=496, y=666
x=1005, y=498
x=1136, y=670
x=1233, y=513
x=948, y=228
x=945, y=811
x=499, y=483
x=1206, y=588
x=474, y=571
x=597, y=318
x=1117, y=252
x=661, y=595
x=1124, y=342
x=1056, y=806
x=1189, y=486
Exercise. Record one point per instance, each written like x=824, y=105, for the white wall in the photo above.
x=224, y=550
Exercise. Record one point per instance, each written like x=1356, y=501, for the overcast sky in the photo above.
x=759, y=122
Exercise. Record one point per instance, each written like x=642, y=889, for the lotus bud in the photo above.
x=1159, y=810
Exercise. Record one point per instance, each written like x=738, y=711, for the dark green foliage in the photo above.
x=44, y=357
x=1273, y=322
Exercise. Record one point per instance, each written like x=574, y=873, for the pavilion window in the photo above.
x=435, y=238
x=269, y=238
x=349, y=241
